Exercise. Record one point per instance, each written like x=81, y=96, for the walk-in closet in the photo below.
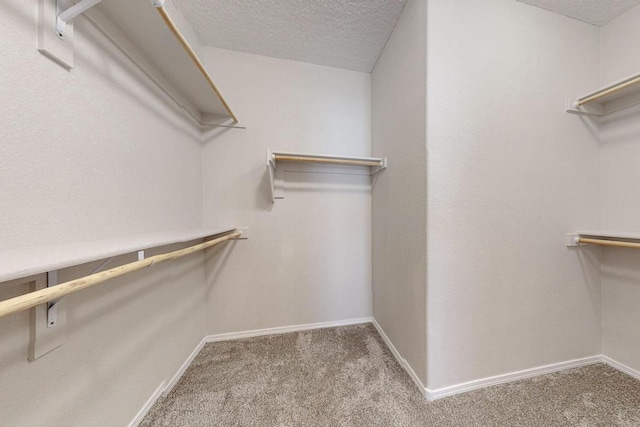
x=319, y=213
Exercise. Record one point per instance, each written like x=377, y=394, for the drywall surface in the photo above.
x=309, y=255
x=596, y=12
x=339, y=34
x=509, y=174
x=620, y=168
x=88, y=154
x=399, y=196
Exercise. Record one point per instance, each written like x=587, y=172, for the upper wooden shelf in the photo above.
x=25, y=262
x=614, y=97
x=156, y=43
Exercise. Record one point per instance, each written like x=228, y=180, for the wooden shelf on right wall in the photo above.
x=615, y=97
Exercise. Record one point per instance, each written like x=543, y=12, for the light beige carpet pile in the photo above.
x=346, y=376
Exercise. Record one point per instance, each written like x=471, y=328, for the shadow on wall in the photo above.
x=14, y=332
x=149, y=282
x=590, y=259
x=263, y=196
x=26, y=15
x=621, y=264
x=209, y=134
x=621, y=127
x=105, y=70
x=143, y=335
x=109, y=327
x=215, y=259
x=314, y=182
x=592, y=126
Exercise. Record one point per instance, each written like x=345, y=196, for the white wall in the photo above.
x=87, y=154
x=620, y=168
x=309, y=256
x=509, y=174
x=399, y=196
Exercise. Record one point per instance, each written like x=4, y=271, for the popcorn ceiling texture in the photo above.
x=596, y=12
x=345, y=34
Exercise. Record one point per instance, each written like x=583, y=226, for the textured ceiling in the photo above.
x=346, y=34
x=596, y=12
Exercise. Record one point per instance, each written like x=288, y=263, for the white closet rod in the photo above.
x=32, y=299
x=608, y=90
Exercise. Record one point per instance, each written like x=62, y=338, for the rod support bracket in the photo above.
x=52, y=306
x=244, y=232
x=573, y=239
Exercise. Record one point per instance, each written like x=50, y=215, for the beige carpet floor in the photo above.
x=347, y=377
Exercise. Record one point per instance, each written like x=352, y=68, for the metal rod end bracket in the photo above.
x=573, y=239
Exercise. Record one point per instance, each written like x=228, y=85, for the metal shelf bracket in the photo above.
x=70, y=13
x=52, y=306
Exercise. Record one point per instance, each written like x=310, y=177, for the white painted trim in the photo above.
x=620, y=367
x=285, y=329
x=512, y=376
x=163, y=390
x=184, y=367
x=401, y=360
x=429, y=394
x=147, y=406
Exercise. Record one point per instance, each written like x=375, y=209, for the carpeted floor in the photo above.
x=347, y=377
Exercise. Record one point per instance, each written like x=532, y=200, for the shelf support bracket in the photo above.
x=52, y=306
x=70, y=13
x=276, y=179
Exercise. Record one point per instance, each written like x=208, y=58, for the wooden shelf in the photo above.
x=25, y=262
x=276, y=174
x=609, y=99
x=137, y=29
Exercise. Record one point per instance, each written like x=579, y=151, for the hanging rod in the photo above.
x=32, y=299
x=604, y=238
x=616, y=87
x=602, y=242
x=192, y=54
x=327, y=159
x=332, y=161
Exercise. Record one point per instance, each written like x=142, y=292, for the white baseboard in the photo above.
x=162, y=389
x=512, y=376
x=165, y=388
x=429, y=394
x=184, y=366
x=147, y=406
x=285, y=329
x=620, y=367
x=401, y=360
